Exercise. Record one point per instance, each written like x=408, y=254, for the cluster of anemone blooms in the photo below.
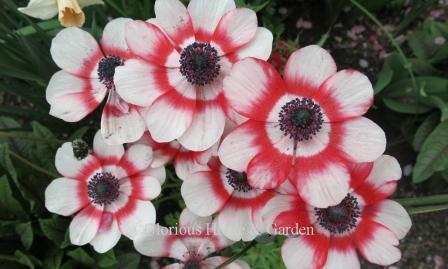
x=260, y=152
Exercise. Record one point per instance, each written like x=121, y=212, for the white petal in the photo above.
x=71, y=97
x=113, y=41
x=310, y=256
x=239, y=147
x=65, y=197
x=40, y=9
x=171, y=115
x=342, y=259
x=174, y=19
x=132, y=214
x=85, y=224
x=106, y=240
x=259, y=47
x=379, y=245
x=385, y=169
x=324, y=186
x=191, y=220
x=141, y=187
x=348, y=93
x=76, y=51
x=309, y=66
x=236, y=224
x=67, y=164
x=136, y=158
x=156, y=241
x=206, y=14
x=392, y=215
x=277, y=205
x=205, y=193
x=362, y=140
x=121, y=123
x=137, y=82
x=235, y=29
x=206, y=129
x=105, y=152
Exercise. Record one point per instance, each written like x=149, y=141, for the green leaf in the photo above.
x=54, y=261
x=81, y=256
x=70, y=265
x=45, y=25
x=106, y=260
x=384, y=77
x=54, y=229
x=8, y=204
x=20, y=146
x=423, y=131
x=44, y=152
x=25, y=231
x=433, y=156
x=128, y=261
x=7, y=228
x=28, y=260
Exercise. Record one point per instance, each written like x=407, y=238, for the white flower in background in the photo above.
x=69, y=11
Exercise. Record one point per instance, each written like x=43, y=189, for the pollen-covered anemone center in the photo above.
x=300, y=119
x=199, y=63
x=340, y=218
x=106, y=70
x=238, y=180
x=192, y=264
x=103, y=188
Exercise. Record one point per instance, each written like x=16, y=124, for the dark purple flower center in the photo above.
x=199, y=63
x=106, y=70
x=103, y=188
x=340, y=218
x=192, y=264
x=238, y=180
x=300, y=119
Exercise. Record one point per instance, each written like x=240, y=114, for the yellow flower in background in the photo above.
x=69, y=11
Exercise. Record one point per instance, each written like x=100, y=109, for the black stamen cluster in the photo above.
x=300, y=119
x=199, y=63
x=103, y=188
x=106, y=70
x=340, y=218
x=238, y=180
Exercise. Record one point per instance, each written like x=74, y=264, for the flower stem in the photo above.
x=427, y=209
x=428, y=200
x=236, y=256
x=32, y=165
x=406, y=64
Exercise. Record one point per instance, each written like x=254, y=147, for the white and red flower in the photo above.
x=87, y=77
x=365, y=220
x=191, y=243
x=219, y=189
x=110, y=191
x=184, y=54
x=307, y=127
x=185, y=161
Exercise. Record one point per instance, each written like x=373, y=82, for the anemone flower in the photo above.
x=365, y=219
x=87, y=77
x=221, y=190
x=184, y=54
x=190, y=243
x=70, y=11
x=109, y=190
x=307, y=127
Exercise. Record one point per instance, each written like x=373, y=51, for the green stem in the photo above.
x=407, y=65
x=21, y=135
x=428, y=200
x=236, y=256
x=32, y=165
x=427, y=209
